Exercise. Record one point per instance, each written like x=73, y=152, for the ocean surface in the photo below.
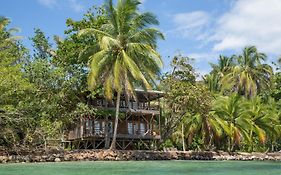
x=144, y=167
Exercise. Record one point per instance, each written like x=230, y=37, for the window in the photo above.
x=89, y=126
x=130, y=128
x=136, y=129
x=142, y=128
x=110, y=126
x=97, y=127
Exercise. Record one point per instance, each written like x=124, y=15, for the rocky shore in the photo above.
x=118, y=155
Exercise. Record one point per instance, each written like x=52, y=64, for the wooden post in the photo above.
x=94, y=119
x=81, y=127
x=152, y=127
x=106, y=132
x=139, y=124
x=148, y=102
x=159, y=124
x=133, y=125
x=147, y=124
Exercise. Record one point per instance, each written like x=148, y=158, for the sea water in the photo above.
x=144, y=167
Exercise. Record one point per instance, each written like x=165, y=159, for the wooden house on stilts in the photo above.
x=138, y=125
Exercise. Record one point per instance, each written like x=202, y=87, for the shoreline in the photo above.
x=135, y=155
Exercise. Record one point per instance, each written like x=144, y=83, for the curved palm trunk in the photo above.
x=182, y=136
x=113, y=143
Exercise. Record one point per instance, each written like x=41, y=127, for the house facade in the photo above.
x=138, y=125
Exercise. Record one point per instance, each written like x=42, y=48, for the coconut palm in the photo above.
x=224, y=65
x=229, y=111
x=127, y=52
x=212, y=82
x=259, y=121
x=6, y=34
x=264, y=119
x=219, y=70
x=205, y=127
x=249, y=76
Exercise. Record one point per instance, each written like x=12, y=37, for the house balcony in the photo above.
x=129, y=107
x=127, y=129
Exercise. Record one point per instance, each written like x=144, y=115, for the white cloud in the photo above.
x=250, y=22
x=201, y=62
x=204, y=57
x=76, y=6
x=192, y=19
x=190, y=24
x=48, y=3
x=72, y=4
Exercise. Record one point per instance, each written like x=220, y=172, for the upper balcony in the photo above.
x=147, y=102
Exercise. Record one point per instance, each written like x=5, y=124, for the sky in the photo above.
x=200, y=29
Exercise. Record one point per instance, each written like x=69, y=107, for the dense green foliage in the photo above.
x=240, y=110
x=113, y=49
x=42, y=93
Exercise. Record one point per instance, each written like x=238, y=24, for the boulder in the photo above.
x=57, y=159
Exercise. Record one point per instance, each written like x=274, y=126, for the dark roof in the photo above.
x=144, y=95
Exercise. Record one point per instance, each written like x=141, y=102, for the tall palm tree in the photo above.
x=127, y=52
x=264, y=119
x=223, y=66
x=230, y=119
x=219, y=70
x=258, y=118
x=212, y=81
x=249, y=76
x=205, y=127
x=6, y=34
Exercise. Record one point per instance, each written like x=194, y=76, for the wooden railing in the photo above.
x=127, y=105
x=126, y=130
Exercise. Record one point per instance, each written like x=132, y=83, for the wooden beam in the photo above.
x=159, y=124
x=139, y=125
x=152, y=123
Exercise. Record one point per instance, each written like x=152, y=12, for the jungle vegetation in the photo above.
x=113, y=49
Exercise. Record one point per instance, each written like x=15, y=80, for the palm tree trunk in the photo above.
x=251, y=139
x=182, y=135
x=113, y=143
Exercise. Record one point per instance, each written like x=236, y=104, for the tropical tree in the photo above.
x=234, y=124
x=249, y=76
x=223, y=66
x=219, y=70
x=126, y=52
x=212, y=81
x=260, y=120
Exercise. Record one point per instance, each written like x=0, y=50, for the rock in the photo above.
x=57, y=159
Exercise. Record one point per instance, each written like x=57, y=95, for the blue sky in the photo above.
x=201, y=29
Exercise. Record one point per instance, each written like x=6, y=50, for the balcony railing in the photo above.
x=129, y=129
x=127, y=105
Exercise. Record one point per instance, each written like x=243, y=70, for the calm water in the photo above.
x=145, y=167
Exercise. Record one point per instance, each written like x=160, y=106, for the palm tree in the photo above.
x=224, y=65
x=249, y=76
x=6, y=34
x=264, y=119
x=127, y=52
x=256, y=112
x=228, y=110
x=220, y=69
x=201, y=126
x=212, y=82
